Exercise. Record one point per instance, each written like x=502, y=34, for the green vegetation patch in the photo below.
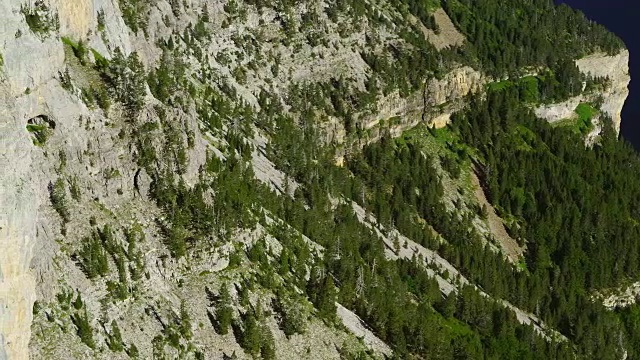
x=135, y=14
x=582, y=123
x=554, y=84
x=99, y=58
x=84, y=74
x=40, y=132
x=523, y=138
x=500, y=85
x=586, y=112
x=555, y=190
x=122, y=78
x=41, y=20
x=502, y=40
x=67, y=41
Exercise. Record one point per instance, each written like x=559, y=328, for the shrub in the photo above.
x=58, y=197
x=133, y=352
x=93, y=257
x=185, y=322
x=127, y=77
x=114, y=340
x=224, y=313
x=84, y=330
x=291, y=313
x=41, y=133
x=65, y=80
x=134, y=13
x=101, y=20
x=40, y=19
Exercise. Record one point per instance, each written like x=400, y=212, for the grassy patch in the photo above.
x=69, y=42
x=99, y=58
x=453, y=156
x=582, y=122
x=569, y=122
x=500, y=85
x=458, y=328
x=522, y=264
x=528, y=87
x=396, y=120
x=437, y=141
x=586, y=112
x=79, y=49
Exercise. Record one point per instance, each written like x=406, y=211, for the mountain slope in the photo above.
x=197, y=180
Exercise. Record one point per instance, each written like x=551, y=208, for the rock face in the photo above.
x=560, y=111
x=29, y=88
x=621, y=298
x=440, y=96
x=28, y=63
x=19, y=200
x=439, y=100
x=616, y=69
x=448, y=35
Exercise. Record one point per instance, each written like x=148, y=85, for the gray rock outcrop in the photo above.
x=29, y=88
x=616, y=69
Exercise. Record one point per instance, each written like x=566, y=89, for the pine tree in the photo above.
x=93, y=257
x=133, y=352
x=137, y=83
x=291, y=314
x=268, y=345
x=185, y=322
x=327, y=300
x=78, y=304
x=251, y=335
x=114, y=340
x=205, y=13
x=244, y=294
x=224, y=312
x=84, y=330
x=58, y=197
x=447, y=306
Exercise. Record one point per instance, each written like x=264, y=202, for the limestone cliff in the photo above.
x=439, y=99
x=28, y=63
x=614, y=68
x=50, y=134
x=29, y=88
